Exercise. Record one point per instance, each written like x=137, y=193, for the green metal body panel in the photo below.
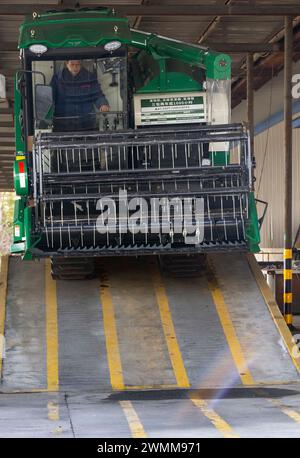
x=22, y=242
x=78, y=29
x=29, y=243
x=20, y=141
x=18, y=245
x=62, y=30
x=217, y=65
x=252, y=226
x=21, y=180
x=19, y=218
x=17, y=248
x=220, y=157
x=175, y=82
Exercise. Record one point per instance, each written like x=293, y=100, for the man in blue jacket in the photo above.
x=77, y=96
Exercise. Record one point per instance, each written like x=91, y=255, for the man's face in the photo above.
x=74, y=66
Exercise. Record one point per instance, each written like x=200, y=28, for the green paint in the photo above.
x=218, y=66
x=19, y=135
x=175, y=82
x=19, y=219
x=252, y=226
x=74, y=29
x=28, y=236
x=97, y=27
x=18, y=245
x=17, y=248
x=219, y=158
x=23, y=241
x=92, y=28
x=21, y=182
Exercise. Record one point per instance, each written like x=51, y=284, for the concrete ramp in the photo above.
x=134, y=328
x=259, y=327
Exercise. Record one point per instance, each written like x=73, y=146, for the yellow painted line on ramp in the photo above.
x=151, y=387
x=168, y=327
x=51, y=329
x=111, y=337
x=53, y=416
x=135, y=425
x=290, y=413
x=275, y=312
x=219, y=423
x=53, y=411
x=287, y=410
x=3, y=294
x=228, y=328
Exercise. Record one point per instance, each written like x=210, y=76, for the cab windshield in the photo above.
x=86, y=94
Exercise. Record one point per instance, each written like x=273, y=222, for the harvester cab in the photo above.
x=124, y=145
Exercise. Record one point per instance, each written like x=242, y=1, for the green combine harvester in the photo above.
x=119, y=133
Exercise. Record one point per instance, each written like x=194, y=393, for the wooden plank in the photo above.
x=6, y=123
x=6, y=143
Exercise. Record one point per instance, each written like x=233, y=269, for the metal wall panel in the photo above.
x=269, y=150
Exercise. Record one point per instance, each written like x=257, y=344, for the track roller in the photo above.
x=183, y=266
x=72, y=268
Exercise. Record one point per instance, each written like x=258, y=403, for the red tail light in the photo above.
x=21, y=166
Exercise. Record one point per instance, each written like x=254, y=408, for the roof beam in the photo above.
x=6, y=143
x=6, y=111
x=6, y=174
x=6, y=150
x=236, y=9
x=6, y=123
x=264, y=69
x=243, y=47
x=8, y=47
x=6, y=130
x=6, y=169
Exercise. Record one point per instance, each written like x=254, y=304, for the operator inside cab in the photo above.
x=78, y=97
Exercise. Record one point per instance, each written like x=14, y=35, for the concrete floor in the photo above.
x=139, y=354
x=239, y=412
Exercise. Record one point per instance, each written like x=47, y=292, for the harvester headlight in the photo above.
x=38, y=49
x=112, y=45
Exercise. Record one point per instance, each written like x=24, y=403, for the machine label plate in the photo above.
x=173, y=108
